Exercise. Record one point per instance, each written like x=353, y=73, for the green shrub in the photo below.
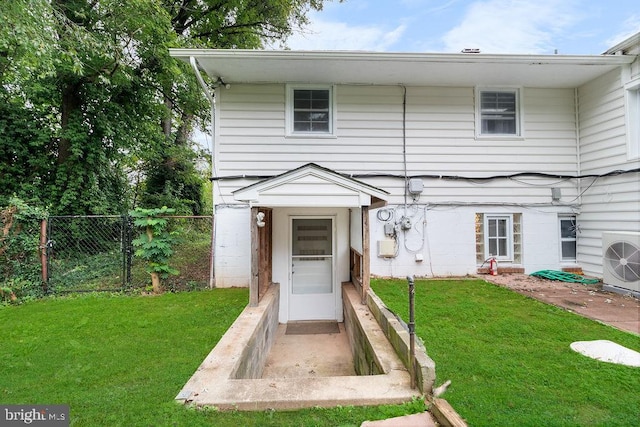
x=155, y=243
x=20, y=269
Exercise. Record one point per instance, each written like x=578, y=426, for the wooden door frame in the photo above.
x=261, y=255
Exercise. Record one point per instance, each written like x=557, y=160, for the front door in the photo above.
x=312, y=289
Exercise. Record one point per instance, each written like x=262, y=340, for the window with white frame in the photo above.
x=567, y=238
x=633, y=119
x=310, y=110
x=499, y=236
x=497, y=112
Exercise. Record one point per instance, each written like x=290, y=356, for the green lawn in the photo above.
x=509, y=359
x=121, y=360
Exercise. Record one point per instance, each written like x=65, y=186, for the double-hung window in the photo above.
x=310, y=110
x=568, y=238
x=498, y=237
x=498, y=112
x=633, y=119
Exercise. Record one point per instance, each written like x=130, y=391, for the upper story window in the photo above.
x=498, y=112
x=310, y=110
x=633, y=119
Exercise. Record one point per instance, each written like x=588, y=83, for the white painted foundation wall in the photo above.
x=448, y=249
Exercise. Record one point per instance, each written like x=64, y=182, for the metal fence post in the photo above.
x=127, y=250
x=412, y=331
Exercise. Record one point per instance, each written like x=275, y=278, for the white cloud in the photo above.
x=326, y=35
x=629, y=27
x=516, y=26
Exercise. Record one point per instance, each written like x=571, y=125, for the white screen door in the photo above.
x=312, y=291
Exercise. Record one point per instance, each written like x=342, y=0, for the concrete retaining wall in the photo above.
x=365, y=359
x=257, y=347
x=399, y=338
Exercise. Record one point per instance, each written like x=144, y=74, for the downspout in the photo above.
x=212, y=103
x=578, y=166
x=578, y=146
x=404, y=145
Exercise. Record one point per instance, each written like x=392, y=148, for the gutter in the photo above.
x=394, y=57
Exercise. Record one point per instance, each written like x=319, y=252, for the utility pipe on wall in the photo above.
x=212, y=103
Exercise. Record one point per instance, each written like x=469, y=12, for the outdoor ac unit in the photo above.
x=621, y=260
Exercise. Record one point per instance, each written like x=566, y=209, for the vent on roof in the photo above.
x=471, y=50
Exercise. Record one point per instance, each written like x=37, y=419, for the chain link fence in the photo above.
x=95, y=253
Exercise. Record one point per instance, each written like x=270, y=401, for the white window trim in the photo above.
x=519, y=135
x=509, y=218
x=332, y=111
x=566, y=239
x=632, y=113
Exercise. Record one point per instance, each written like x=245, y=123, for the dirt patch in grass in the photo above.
x=618, y=310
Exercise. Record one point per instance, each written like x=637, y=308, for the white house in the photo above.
x=333, y=166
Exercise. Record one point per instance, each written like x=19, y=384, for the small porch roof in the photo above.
x=312, y=185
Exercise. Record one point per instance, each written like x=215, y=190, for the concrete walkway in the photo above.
x=591, y=301
x=309, y=356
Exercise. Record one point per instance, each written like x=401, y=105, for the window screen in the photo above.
x=498, y=112
x=311, y=110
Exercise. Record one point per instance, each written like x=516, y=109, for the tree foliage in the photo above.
x=154, y=245
x=19, y=250
x=91, y=102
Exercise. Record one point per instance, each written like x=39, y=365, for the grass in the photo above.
x=120, y=360
x=509, y=359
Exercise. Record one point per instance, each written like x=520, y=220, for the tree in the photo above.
x=90, y=95
x=154, y=245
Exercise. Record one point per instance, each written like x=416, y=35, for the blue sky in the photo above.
x=494, y=26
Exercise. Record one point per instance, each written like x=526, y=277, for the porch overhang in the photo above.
x=393, y=68
x=312, y=185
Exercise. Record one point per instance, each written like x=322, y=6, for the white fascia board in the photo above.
x=401, y=57
x=391, y=68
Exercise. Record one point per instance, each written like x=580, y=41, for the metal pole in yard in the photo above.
x=412, y=332
x=43, y=254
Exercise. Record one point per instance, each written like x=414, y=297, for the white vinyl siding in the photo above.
x=440, y=140
x=608, y=203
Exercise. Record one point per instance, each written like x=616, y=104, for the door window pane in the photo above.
x=311, y=259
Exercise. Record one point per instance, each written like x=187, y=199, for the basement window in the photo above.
x=568, y=238
x=499, y=236
x=310, y=110
x=497, y=112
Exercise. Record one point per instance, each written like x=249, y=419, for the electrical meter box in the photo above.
x=390, y=229
x=387, y=248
